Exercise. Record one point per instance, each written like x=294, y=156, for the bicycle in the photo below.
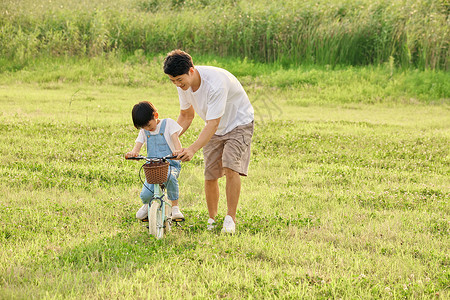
x=159, y=209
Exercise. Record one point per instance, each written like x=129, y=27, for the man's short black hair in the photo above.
x=177, y=62
x=142, y=113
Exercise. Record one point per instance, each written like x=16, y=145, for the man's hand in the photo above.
x=185, y=154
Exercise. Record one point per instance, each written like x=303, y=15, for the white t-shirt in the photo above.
x=171, y=127
x=220, y=95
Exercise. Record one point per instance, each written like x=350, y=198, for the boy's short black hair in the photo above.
x=142, y=113
x=177, y=62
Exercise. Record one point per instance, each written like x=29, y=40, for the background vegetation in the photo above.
x=411, y=32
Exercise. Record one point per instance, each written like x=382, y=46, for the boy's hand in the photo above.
x=176, y=153
x=131, y=154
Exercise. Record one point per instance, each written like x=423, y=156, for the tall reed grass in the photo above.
x=414, y=33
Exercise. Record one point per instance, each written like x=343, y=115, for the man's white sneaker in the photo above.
x=177, y=216
x=142, y=213
x=211, y=224
x=228, y=225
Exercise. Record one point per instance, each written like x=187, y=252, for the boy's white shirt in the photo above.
x=171, y=127
x=219, y=89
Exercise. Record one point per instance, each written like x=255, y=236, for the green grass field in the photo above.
x=349, y=184
x=347, y=196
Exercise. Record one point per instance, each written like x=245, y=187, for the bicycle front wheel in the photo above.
x=155, y=217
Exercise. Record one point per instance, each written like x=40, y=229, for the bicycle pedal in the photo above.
x=145, y=220
x=178, y=220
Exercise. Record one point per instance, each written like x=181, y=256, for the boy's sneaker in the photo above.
x=142, y=213
x=228, y=225
x=177, y=216
x=211, y=224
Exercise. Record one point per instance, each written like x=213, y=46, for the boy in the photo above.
x=161, y=137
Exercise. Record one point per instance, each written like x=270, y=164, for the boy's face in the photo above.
x=183, y=81
x=151, y=126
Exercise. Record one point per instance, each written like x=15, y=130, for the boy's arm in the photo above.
x=176, y=142
x=135, y=151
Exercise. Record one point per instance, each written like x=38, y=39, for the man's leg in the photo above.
x=233, y=190
x=212, y=196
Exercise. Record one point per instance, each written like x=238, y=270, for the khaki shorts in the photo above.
x=231, y=150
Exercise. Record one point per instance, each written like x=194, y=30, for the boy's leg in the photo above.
x=146, y=195
x=173, y=194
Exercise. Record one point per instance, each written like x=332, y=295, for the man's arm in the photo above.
x=208, y=131
x=185, y=118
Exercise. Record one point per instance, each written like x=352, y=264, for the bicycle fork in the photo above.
x=158, y=195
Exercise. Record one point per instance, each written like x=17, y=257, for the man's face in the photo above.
x=183, y=81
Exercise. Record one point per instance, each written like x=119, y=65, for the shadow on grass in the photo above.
x=251, y=224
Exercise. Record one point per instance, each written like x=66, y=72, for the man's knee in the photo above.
x=230, y=173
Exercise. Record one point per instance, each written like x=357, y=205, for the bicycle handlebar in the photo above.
x=153, y=159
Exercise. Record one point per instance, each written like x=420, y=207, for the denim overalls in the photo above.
x=157, y=147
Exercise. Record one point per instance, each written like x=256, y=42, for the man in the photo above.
x=220, y=100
